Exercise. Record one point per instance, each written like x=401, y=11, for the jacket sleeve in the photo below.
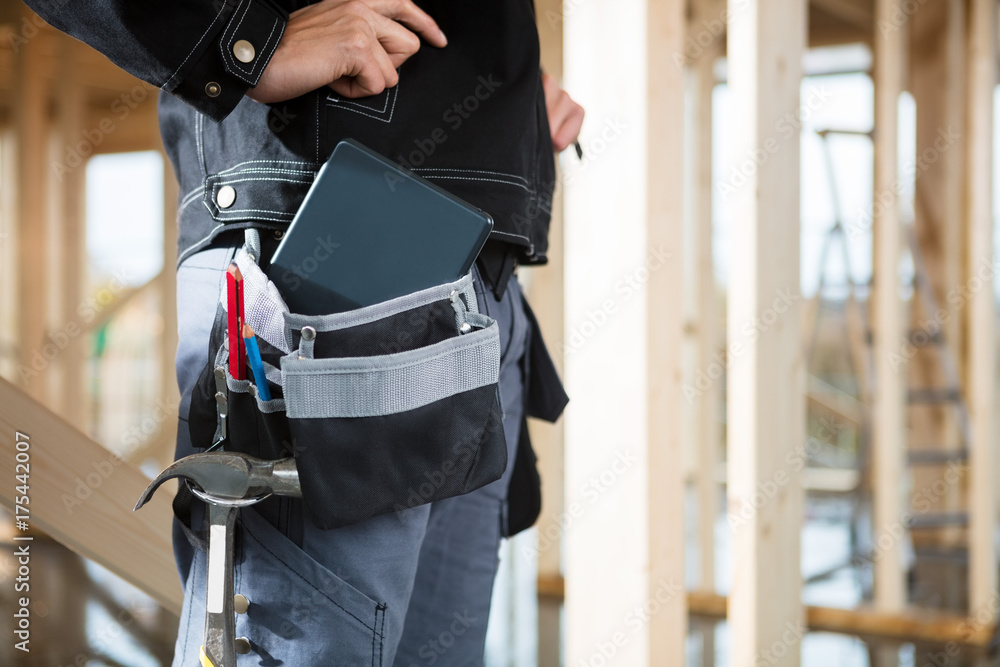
x=206, y=53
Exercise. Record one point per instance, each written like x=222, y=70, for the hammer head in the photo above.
x=230, y=478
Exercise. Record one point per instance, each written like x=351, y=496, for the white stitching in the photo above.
x=222, y=182
x=490, y=180
x=337, y=99
x=193, y=194
x=191, y=249
x=200, y=141
x=191, y=198
x=265, y=170
x=195, y=48
x=472, y=171
x=510, y=234
x=267, y=45
x=384, y=120
x=230, y=212
x=239, y=164
x=227, y=49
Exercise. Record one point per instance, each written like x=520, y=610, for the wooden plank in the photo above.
x=82, y=495
x=982, y=64
x=664, y=330
x=71, y=248
x=888, y=435
x=935, y=426
x=545, y=290
x=31, y=120
x=708, y=400
x=852, y=11
x=607, y=546
x=765, y=403
x=910, y=625
x=168, y=306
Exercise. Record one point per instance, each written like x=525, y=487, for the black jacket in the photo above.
x=470, y=117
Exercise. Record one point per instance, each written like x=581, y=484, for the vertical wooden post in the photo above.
x=666, y=25
x=545, y=291
x=766, y=408
x=168, y=306
x=707, y=401
x=31, y=120
x=890, y=41
x=69, y=184
x=980, y=267
x=624, y=544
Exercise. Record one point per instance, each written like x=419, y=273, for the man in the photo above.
x=255, y=94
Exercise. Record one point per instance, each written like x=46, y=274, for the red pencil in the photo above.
x=234, y=294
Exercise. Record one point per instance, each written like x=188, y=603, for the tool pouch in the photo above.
x=384, y=408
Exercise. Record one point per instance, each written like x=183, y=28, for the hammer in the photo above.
x=226, y=481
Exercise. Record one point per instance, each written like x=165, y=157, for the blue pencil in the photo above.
x=256, y=363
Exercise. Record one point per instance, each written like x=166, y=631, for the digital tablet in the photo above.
x=368, y=231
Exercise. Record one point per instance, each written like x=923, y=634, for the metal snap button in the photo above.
x=226, y=196
x=212, y=89
x=308, y=333
x=244, y=51
x=278, y=234
x=242, y=645
x=241, y=604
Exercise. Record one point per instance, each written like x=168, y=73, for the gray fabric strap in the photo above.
x=383, y=385
x=379, y=311
x=243, y=387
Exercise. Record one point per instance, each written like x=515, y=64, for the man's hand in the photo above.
x=565, y=115
x=353, y=46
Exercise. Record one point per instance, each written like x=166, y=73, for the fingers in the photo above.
x=414, y=18
x=371, y=70
x=565, y=115
x=398, y=42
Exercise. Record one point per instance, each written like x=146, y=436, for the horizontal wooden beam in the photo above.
x=908, y=625
x=82, y=495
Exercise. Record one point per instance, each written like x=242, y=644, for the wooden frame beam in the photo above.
x=766, y=404
x=982, y=71
x=890, y=374
x=546, y=292
x=869, y=622
x=666, y=27
x=82, y=495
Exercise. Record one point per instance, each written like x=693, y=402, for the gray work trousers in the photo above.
x=410, y=588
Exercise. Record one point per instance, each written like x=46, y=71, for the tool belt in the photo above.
x=384, y=408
